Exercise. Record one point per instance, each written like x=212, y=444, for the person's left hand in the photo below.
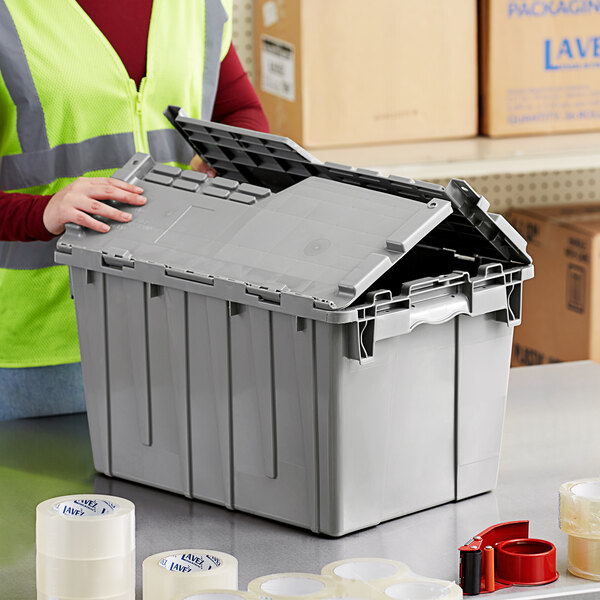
x=198, y=164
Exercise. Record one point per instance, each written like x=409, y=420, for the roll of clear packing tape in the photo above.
x=285, y=586
x=423, y=588
x=360, y=576
x=580, y=519
x=220, y=594
x=85, y=526
x=580, y=507
x=177, y=574
x=94, y=579
x=584, y=557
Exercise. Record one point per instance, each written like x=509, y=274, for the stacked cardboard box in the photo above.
x=346, y=72
x=540, y=64
x=561, y=305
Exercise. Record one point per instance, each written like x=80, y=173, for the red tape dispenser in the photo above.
x=503, y=555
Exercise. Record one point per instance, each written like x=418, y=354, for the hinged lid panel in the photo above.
x=277, y=163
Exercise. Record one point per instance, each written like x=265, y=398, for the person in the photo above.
x=83, y=87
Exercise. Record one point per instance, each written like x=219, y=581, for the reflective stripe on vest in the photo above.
x=27, y=255
x=67, y=160
x=31, y=127
x=167, y=145
x=216, y=17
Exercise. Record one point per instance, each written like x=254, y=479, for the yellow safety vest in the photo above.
x=69, y=108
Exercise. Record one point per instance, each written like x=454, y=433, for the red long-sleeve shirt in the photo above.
x=125, y=25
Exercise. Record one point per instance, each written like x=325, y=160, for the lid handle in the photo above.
x=414, y=229
x=358, y=280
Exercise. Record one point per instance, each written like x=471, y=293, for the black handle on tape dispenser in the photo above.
x=470, y=571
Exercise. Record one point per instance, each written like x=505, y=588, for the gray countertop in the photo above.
x=550, y=436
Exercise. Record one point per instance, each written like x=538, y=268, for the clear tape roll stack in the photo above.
x=85, y=548
x=288, y=586
x=178, y=574
x=363, y=577
x=580, y=519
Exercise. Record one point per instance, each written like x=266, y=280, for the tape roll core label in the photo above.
x=189, y=563
x=85, y=507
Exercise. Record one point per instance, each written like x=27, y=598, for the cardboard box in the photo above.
x=561, y=304
x=540, y=65
x=345, y=72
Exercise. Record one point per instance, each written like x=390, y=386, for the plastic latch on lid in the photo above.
x=117, y=257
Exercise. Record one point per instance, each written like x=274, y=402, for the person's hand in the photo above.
x=198, y=164
x=80, y=199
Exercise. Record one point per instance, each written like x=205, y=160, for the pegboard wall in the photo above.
x=243, y=25
x=540, y=188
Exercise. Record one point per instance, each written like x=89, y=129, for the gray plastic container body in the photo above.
x=331, y=412
x=265, y=412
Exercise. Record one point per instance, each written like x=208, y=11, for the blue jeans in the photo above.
x=41, y=391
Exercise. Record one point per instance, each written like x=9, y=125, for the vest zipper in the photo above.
x=140, y=138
